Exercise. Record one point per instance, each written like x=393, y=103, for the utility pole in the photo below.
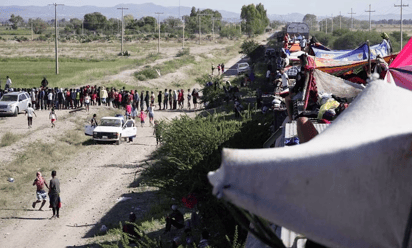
x=183, y=41
x=121, y=48
x=326, y=29
x=31, y=30
x=55, y=40
x=332, y=23
x=340, y=20
x=158, y=21
x=370, y=11
x=82, y=26
x=351, y=16
x=401, y=6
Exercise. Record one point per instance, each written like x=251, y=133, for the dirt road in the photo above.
x=94, y=183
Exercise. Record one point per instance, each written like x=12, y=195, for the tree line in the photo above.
x=253, y=20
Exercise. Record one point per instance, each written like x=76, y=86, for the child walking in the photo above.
x=30, y=112
x=52, y=117
x=142, y=116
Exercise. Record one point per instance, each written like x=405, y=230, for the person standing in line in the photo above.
x=175, y=95
x=136, y=99
x=223, y=68
x=87, y=102
x=40, y=192
x=170, y=99
x=189, y=97
x=213, y=68
x=54, y=194
x=147, y=100
x=165, y=99
x=182, y=99
x=142, y=100
x=49, y=99
x=8, y=83
x=218, y=69
x=151, y=115
x=159, y=100
x=52, y=117
x=103, y=95
x=195, y=95
x=30, y=112
x=152, y=99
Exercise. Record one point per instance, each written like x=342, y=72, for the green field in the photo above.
x=29, y=72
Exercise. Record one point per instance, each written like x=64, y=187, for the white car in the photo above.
x=14, y=102
x=242, y=67
x=112, y=129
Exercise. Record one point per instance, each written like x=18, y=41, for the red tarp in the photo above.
x=400, y=70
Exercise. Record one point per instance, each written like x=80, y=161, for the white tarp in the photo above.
x=350, y=186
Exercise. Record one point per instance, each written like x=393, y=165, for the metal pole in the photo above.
x=121, y=48
x=351, y=16
x=369, y=58
x=55, y=40
x=56, y=37
x=370, y=11
x=158, y=40
x=31, y=30
x=332, y=23
x=340, y=20
x=326, y=25
x=82, y=27
x=183, y=41
x=199, y=27
x=401, y=6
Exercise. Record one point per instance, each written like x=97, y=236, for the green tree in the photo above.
x=311, y=20
x=95, y=21
x=16, y=21
x=255, y=19
x=39, y=26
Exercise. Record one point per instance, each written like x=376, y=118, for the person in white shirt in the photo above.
x=87, y=102
x=30, y=112
x=8, y=83
x=50, y=99
x=285, y=79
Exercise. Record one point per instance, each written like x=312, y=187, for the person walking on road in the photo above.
x=54, y=194
x=40, y=192
x=30, y=112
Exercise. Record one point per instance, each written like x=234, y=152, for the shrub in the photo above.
x=148, y=73
x=184, y=51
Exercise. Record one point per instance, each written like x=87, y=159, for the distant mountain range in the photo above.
x=146, y=9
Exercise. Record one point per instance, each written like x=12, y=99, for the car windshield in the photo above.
x=110, y=123
x=9, y=98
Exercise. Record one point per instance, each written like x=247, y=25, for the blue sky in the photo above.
x=317, y=7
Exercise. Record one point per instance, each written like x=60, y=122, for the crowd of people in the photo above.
x=45, y=98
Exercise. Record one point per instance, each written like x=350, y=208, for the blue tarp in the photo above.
x=360, y=53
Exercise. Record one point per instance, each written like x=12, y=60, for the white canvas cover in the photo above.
x=350, y=186
x=327, y=83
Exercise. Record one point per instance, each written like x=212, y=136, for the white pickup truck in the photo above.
x=111, y=129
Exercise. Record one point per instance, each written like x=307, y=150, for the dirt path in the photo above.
x=91, y=184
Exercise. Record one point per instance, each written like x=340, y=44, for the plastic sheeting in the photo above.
x=350, y=186
x=358, y=54
x=337, y=86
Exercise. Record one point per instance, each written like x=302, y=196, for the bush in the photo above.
x=352, y=40
x=148, y=73
x=185, y=51
x=190, y=149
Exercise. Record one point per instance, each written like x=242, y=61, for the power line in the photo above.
x=401, y=6
x=55, y=33
x=121, y=49
x=351, y=15
x=370, y=11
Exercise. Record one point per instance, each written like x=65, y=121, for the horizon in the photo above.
x=360, y=9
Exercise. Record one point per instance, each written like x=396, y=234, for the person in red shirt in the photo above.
x=119, y=100
x=40, y=192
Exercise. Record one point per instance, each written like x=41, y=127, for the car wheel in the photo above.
x=118, y=142
x=16, y=111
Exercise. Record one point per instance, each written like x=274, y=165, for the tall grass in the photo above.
x=8, y=139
